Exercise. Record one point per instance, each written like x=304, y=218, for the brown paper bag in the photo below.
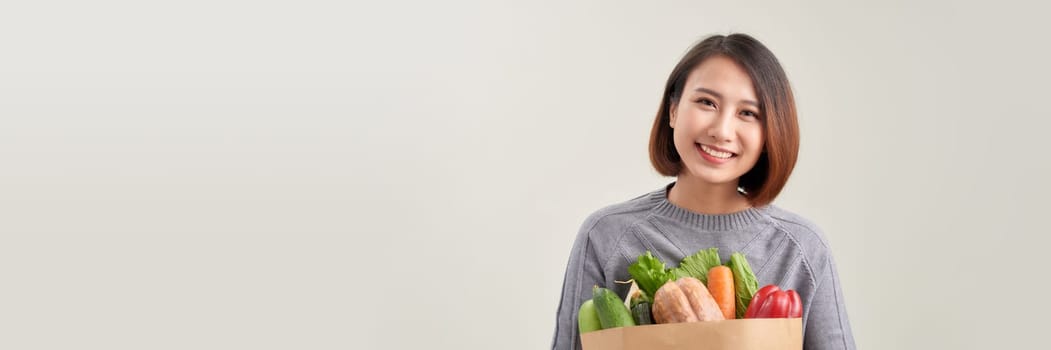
x=739, y=334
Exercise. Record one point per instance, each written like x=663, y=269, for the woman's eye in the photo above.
x=706, y=102
x=750, y=114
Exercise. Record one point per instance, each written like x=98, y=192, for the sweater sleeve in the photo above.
x=826, y=324
x=582, y=272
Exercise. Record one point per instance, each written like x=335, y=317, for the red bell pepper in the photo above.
x=772, y=302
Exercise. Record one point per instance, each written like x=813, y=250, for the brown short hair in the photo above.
x=777, y=107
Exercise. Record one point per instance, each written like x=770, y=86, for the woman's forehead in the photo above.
x=722, y=77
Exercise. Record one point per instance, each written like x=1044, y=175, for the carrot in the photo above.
x=721, y=285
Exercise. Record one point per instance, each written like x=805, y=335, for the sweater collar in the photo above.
x=711, y=222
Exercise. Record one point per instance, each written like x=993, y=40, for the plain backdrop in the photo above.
x=411, y=175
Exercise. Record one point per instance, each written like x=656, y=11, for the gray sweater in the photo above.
x=782, y=248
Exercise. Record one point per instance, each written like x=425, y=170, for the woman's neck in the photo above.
x=705, y=198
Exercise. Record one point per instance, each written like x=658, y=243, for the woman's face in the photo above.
x=717, y=124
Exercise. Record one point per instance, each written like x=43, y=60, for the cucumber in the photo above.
x=612, y=312
x=641, y=313
x=587, y=317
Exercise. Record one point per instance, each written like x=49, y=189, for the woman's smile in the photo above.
x=713, y=154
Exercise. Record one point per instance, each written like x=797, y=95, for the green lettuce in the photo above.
x=698, y=264
x=650, y=274
x=745, y=283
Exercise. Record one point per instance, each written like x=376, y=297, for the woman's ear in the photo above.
x=671, y=114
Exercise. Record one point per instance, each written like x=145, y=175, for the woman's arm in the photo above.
x=582, y=272
x=827, y=326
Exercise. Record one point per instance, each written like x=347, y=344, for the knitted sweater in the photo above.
x=782, y=248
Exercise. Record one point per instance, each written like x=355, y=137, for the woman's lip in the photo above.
x=717, y=148
x=708, y=157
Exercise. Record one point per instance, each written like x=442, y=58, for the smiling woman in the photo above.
x=731, y=93
x=726, y=129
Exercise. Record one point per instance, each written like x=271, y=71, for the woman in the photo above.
x=727, y=131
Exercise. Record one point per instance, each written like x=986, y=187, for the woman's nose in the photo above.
x=721, y=128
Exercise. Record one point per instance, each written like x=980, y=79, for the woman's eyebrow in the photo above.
x=720, y=96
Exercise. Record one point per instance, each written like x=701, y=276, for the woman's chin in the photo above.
x=713, y=177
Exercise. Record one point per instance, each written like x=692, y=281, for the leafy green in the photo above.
x=698, y=264
x=650, y=273
x=745, y=283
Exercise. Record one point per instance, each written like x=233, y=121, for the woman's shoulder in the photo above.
x=622, y=214
x=807, y=236
x=804, y=231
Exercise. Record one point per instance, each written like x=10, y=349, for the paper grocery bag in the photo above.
x=739, y=334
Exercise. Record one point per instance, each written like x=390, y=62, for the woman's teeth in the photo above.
x=716, y=154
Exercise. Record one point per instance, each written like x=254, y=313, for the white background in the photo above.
x=411, y=175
